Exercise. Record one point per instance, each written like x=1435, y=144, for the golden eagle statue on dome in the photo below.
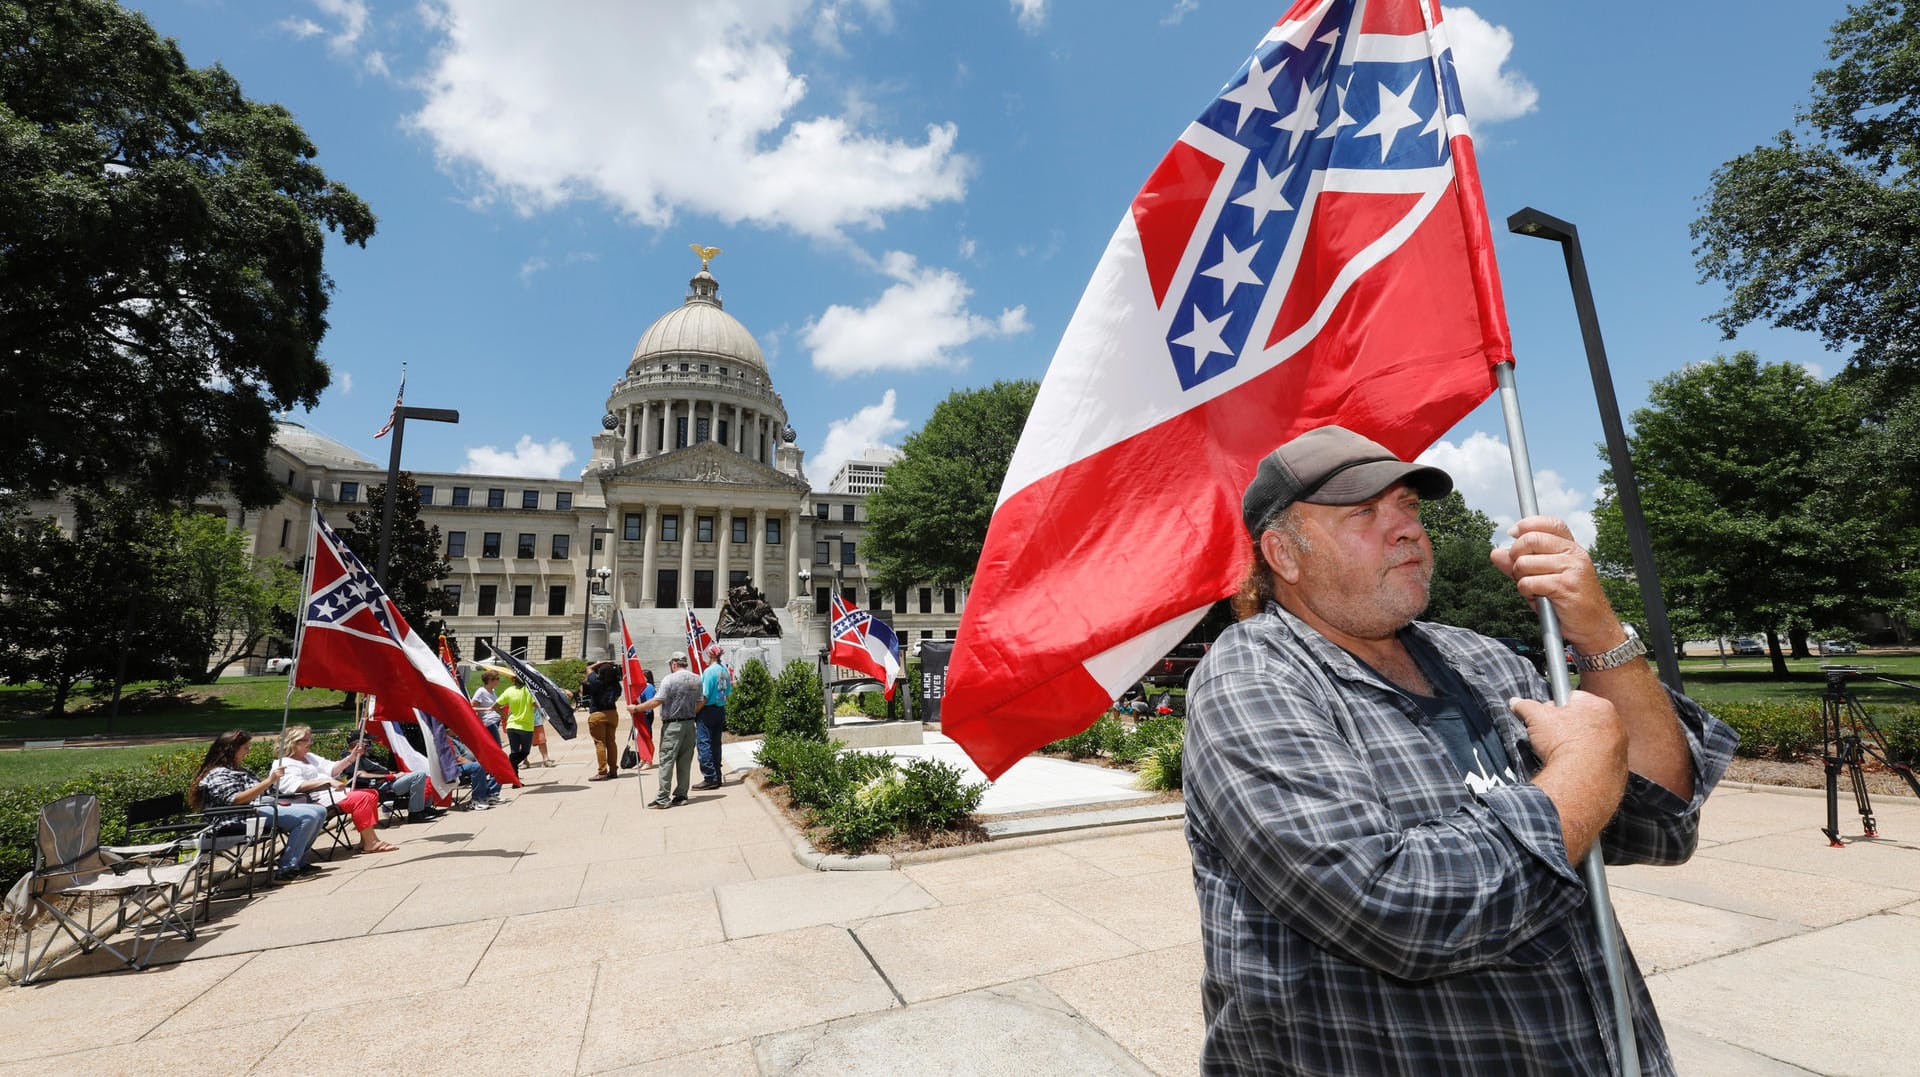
x=707, y=254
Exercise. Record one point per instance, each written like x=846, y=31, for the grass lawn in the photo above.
x=252, y=703
x=1751, y=680
x=47, y=765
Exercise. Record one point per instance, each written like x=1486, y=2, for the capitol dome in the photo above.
x=698, y=331
x=315, y=448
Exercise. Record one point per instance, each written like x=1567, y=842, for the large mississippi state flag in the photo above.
x=353, y=638
x=1313, y=250
x=864, y=642
x=634, y=683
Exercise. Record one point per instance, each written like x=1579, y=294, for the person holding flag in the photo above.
x=638, y=690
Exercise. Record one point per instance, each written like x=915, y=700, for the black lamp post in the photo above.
x=400, y=416
x=1532, y=222
x=586, y=605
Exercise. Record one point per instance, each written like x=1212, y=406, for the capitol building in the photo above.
x=694, y=487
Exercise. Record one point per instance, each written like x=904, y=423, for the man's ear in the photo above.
x=1278, y=552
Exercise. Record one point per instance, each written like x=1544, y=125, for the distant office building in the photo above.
x=865, y=475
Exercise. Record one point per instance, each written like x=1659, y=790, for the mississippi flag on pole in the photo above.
x=698, y=640
x=863, y=642
x=353, y=639
x=1313, y=249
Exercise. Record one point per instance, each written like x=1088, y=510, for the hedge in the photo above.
x=1792, y=732
x=170, y=772
x=861, y=798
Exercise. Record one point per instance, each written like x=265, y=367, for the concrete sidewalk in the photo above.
x=572, y=932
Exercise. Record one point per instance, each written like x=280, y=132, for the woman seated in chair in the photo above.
x=224, y=780
x=317, y=778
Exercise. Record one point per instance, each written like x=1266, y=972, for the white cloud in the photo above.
x=540, y=263
x=869, y=428
x=1031, y=13
x=527, y=458
x=1480, y=50
x=837, y=18
x=1482, y=471
x=376, y=64
x=658, y=108
x=302, y=27
x=920, y=321
x=346, y=383
x=351, y=15
x=1181, y=10
x=1814, y=370
x=532, y=266
x=968, y=248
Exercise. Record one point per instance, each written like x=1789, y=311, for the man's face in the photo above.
x=1365, y=568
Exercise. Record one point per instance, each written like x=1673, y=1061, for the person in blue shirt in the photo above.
x=716, y=684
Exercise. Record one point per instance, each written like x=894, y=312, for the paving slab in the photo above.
x=1881, y=864
x=569, y=848
x=573, y=938
x=1150, y=911
x=732, y=1058
x=766, y=906
x=238, y=1050
x=1148, y=1003
x=956, y=948
x=1016, y=1030
x=529, y=1029
x=1830, y=1001
x=455, y=901
x=616, y=880
x=1800, y=896
x=351, y=973
x=708, y=996
x=1694, y=1053
x=475, y=862
x=997, y=873
x=64, y=1015
x=1669, y=934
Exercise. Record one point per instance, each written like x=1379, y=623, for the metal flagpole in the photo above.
x=1599, y=901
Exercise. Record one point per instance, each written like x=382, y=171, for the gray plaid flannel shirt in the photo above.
x=1362, y=911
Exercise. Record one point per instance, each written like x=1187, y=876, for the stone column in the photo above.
x=760, y=546
x=640, y=431
x=723, y=521
x=738, y=443
x=793, y=554
x=686, y=555
x=648, y=539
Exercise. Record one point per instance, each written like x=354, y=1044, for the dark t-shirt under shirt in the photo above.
x=1457, y=719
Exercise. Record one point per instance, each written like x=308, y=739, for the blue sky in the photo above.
x=910, y=194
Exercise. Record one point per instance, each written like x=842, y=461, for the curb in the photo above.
x=1009, y=834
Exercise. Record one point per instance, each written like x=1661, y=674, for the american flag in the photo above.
x=698, y=640
x=394, y=415
x=1313, y=249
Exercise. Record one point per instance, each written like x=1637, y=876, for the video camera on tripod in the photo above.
x=1850, y=737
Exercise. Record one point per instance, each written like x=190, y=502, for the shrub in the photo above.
x=1902, y=729
x=931, y=796
x=565, y=672
x=798, y=705
x=752, y=692
x=861, y=798
x=1160, y=768
x=1100, y=737
x=1785, y=731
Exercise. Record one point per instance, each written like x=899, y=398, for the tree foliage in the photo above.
x=1816, y=230
x=930, y=519
x=414, y=565
x=752, y=695
x=1467, y=591
x=161, y=285
x=1750, y=504
x=229, y=601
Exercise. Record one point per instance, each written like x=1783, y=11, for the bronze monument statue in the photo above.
x=747, y=613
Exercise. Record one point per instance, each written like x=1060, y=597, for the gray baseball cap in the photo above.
x=1332, y=465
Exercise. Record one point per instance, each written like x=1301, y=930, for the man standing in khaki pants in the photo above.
x=602, y=689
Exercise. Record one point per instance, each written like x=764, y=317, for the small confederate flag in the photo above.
x=864, y=642
x=1312, y=250
x=697, y=643
x=353, y=639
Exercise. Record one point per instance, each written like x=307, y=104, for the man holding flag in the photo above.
x=1313, y=252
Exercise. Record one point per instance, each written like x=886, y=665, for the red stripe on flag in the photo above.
x=1167, y=209
x=1343, y=225
x=1396, y=19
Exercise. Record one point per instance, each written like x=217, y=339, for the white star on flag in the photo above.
x=1255, y=93
x=1396, y=114
x=1266, y=195
x=1305, y=115
x=1234, y=268
x=1205, y=336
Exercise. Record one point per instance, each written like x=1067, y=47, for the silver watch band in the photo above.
x=1613, y=658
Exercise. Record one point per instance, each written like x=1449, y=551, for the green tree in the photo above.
x=228, y=599
x=1751, y=520
x=1467, y=590
x=90, y=605
x=414, y=565
x=161, y=287
x=930, y=519
x=752, y=693
x=1816, y=231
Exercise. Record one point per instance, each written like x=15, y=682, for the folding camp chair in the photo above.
x=71, y=869
x=226, y=835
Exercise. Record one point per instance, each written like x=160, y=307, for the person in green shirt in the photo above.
x=522, y=717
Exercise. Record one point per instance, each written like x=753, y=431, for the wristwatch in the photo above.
x=1633, y=648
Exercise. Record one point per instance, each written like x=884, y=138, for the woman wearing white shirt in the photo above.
x=317, y=778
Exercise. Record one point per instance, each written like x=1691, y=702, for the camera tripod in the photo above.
x=1852, y=736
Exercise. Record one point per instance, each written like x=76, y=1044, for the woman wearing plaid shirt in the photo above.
x=1384, y=814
